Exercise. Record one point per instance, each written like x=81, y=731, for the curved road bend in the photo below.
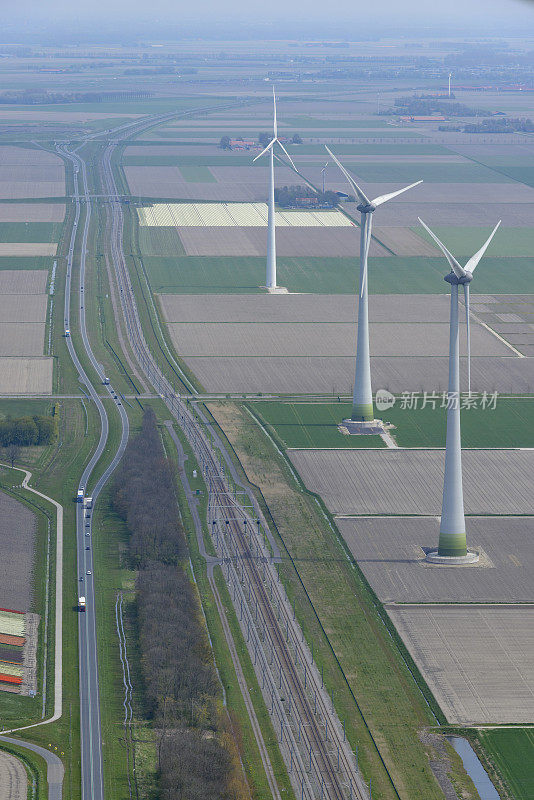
x=54, y=765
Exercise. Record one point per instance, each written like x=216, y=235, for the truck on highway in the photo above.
x=79, y=494
x=88, y=502
x=81, y=603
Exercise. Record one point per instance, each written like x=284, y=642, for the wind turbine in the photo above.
x=452, y=537
x=362, y=401
x=450, y=76
x=270, y=280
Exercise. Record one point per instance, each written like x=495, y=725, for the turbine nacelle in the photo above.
x=462, y=276
x=454, y=280
x=366, y=208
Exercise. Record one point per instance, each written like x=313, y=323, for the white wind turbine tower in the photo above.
x=362, y=417
x=270, y=280
x=452, y=537
x=450, y=76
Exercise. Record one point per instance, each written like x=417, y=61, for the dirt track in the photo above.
x=13, y=778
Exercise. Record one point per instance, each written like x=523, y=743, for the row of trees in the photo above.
x=225, y=143
x=40, y=97
x=426, y=106
x=291, y=196
x=501, y=125
x=197, y=757
x=27, y=431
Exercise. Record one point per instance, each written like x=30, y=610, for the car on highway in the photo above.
x=89, y=572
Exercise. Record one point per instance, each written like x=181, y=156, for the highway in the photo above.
x=91, y=739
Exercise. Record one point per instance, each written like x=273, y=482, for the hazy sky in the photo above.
x=480, y=14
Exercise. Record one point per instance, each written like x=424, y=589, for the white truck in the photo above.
x=79, y=494
x=87, y=502
x=81, y=603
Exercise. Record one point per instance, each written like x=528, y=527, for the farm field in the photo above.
x=314, y=425
x=30, y=232
x=324, y=339
x=389, y=481
x=17, y=542
x=390, y=552
x=301, y=307
x=23, y=281
x=303, y=352
x=21, y=339
x=326, y=275
x=449, y=642
x=294, y=242
x=22, y=308
x=508, y=242
x=27, y=249
x=24, y=213
x=197, y=175
x=335, y=374
x=26, y=375
x=213, y=215
x=513, y=753
x=13, y=778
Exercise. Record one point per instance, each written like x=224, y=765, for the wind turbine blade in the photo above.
x=468, y=330
x=458, y=270
x=275, y=124
x=385, y=197
x=361, y=196
x=473, y=261
x=287, y=154
x=271, y=144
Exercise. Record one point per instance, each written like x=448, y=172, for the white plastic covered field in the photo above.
x=243, y=215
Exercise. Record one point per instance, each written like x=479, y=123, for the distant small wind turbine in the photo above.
x=450, y=76
x=362, y=401
x=323, y=173
x=270, y=280
x=452, y=536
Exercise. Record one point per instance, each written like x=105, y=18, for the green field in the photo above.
x=26, y=262
x=160, y=241
x=430, y=173
x=355, y=122
x=195, y=162
x=508, y=242
x=309, y=425
x=513, y=753
x=197, y=174
x=30, y=231
x=23, y=408
x=523, y=174
x=244, y=275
